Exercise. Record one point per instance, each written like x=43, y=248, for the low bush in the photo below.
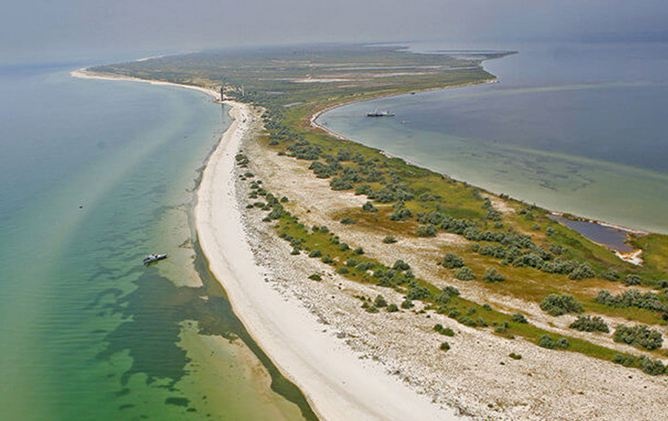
x=639, y=336
x=315, y=277
x=452, y=261
x=401, y=265
x=519, y=318
x=515, y=356
x=590, y=324
x=546, y=341
x=492, y=275
x=632, y=280
x=369, y=207
x=444, y=330
x=389, y=240
x=426, y=231
x=444, y=346
x=557, y=304
x=380, y=301
x=632, y=298
x=464, y=274
x=582, y=271
x=417, y=292
x=648, y=365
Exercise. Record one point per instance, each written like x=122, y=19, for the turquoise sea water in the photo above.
x=571, y=127
x=93, y=176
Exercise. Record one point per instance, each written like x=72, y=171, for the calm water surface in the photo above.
x=94, y=175
x=574, y=128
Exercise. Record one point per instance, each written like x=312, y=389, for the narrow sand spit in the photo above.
x=336, y=381
x=88, y=74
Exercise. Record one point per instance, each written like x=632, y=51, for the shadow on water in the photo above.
x=153, y=314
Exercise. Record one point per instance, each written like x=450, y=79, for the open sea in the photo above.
x=578, y=128
x=93, y=176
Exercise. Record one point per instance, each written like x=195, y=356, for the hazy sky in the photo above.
x=47, y=28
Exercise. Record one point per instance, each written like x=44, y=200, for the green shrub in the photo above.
x=369, y=207
x=417, y=292
x=639, y=336
x=380, y=301
x=610, y=275
x=327, y=260
x=648, y=365
x=406, y=304
x=400, y=214
x=315, y=277
x=452, y=261
x=546, y=341
x=444, y=346
x=557, y=304
x=389, y=240
x=295, y=251
x=464, y=274
x=519, y=318
x=632, y=280
x=358, y=251
x=582, y=271
x=444, y=330
x=492, y=275
x=515, y=356
x=426, y=231
x=315, y=253
x=342, y=270
x=590, y=324
x=392, y=308
x=632, y=298
x=651, y=367
x=400, y=265
x=348, y=221
x=502, y=327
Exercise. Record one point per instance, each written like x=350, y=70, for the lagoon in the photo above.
x=575, y=128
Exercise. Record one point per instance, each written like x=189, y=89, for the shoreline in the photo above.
x=337, y=383
x=85, y=73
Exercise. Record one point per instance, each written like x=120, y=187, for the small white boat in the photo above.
x=151, y=258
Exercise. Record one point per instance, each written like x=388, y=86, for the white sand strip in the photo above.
x=87, y=74
x=338, y=384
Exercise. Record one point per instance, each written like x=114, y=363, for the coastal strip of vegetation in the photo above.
x=320, y=242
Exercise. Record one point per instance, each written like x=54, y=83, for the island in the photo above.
x=386, y=290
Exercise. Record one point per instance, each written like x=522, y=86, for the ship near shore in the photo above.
x=377, y=113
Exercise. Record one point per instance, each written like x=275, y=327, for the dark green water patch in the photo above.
x=153, y=314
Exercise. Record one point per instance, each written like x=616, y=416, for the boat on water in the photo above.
x=151, y=258
x=377, y=113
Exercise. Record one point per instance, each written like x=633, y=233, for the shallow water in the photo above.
x=93, y=176
x=613, y=238
x=573, y=128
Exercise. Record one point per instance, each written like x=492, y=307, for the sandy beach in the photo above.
x=338, y=384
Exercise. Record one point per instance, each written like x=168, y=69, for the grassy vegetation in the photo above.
x=343, y=259
x=522, y=254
